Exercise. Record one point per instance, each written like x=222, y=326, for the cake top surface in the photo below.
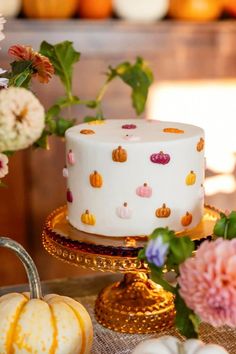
x=133, y=131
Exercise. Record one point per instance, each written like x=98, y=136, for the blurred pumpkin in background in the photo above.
x=95, y=9
x=49, y=9
x=10, y=8
x=230, y=7
x=196, y=10
x=141, y=10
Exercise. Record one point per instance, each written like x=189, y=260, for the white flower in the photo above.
x=3, y=165
x=22, y=119
x=2, y=21
x=3, y=81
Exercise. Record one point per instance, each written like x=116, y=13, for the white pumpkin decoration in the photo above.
x=10, y=8
x=172, y=345
x=141, y=10
x=31, y=323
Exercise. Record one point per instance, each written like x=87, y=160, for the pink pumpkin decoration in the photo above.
x=65, y=172
x=129, y=126
x=69, y=196
x=160, y=158
x=71, y=157
x=124, y=212
x=144, y=191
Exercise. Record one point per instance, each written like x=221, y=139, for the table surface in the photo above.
x=86, y=288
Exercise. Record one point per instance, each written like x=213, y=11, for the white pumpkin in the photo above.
x=30, y=323
x=172, y=345
x=10, y=8
x=141, y=10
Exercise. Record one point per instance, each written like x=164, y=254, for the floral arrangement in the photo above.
x=23, y=120
x=205, y=288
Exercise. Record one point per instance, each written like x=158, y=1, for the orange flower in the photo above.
x=43, y=68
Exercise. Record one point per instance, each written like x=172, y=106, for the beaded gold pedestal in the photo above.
x=136, y=304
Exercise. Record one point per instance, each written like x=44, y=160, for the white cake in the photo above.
x=128, y=177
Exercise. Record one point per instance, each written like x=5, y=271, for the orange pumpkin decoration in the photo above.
x=95, y=9
x=119, y=154
x=88, y=219
x=195, y=10
x=187, y=219
x=173, y=130
x=163, y=212
x=52, y=9
x=87, y=131
x=96, y=180
x=200, y=145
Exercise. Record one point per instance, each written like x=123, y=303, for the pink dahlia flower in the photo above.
x=43, y=68
x=208, y=282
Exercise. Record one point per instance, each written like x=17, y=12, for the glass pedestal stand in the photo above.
x=136, y=304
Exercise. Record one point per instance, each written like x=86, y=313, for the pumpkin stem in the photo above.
x=145, y=184
x=95, y=172
x=163, y=205
x=181, y=349
x=125, y=204
x=87, y=212
x=31, y=270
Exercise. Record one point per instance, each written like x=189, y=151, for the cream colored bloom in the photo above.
x=3, y=165
x=22, y=119
x=2, y=21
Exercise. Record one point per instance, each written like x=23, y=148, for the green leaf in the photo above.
x=21, y=73
x=142, y=254
x=219, y=229
x=164, y=233
x=181, y=248
x=157, y=277
x=9, y=153
x=92, y=104
x=42, y=142
x=2, y=184
x=139, y=77
x=63, y=56
x=62, y=125
x=186, y=321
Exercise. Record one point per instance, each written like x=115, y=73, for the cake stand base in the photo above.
x=135, y=305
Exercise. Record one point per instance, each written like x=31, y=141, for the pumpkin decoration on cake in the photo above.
x=144, y=191
x=119, y=154
x=191, y=178
x=200, y=145
x=71, y=158
x=49, y=9
x=96, y=180
x=160, y=158
x=124, y=212
x=69, y=196
x=163, y=212
x=87, y=131
x=187, y=219
x=173, y=130
x=88, y=219
x=172, y=345
x=31, y=323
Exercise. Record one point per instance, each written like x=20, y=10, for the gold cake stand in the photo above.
x=136, y=304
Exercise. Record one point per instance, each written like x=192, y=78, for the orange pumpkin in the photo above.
x=95, y=9
x=187, y=219
x=173, y=130
x=96, y=180
x=200, y=145
x=119, y=154
x=52, y=9
x=196, y=10
x=87, y=131
x=163, y=212
x=230, y=7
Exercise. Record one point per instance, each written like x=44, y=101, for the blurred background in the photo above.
x=190, y=46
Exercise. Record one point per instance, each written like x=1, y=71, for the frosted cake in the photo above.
x=128, y=177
